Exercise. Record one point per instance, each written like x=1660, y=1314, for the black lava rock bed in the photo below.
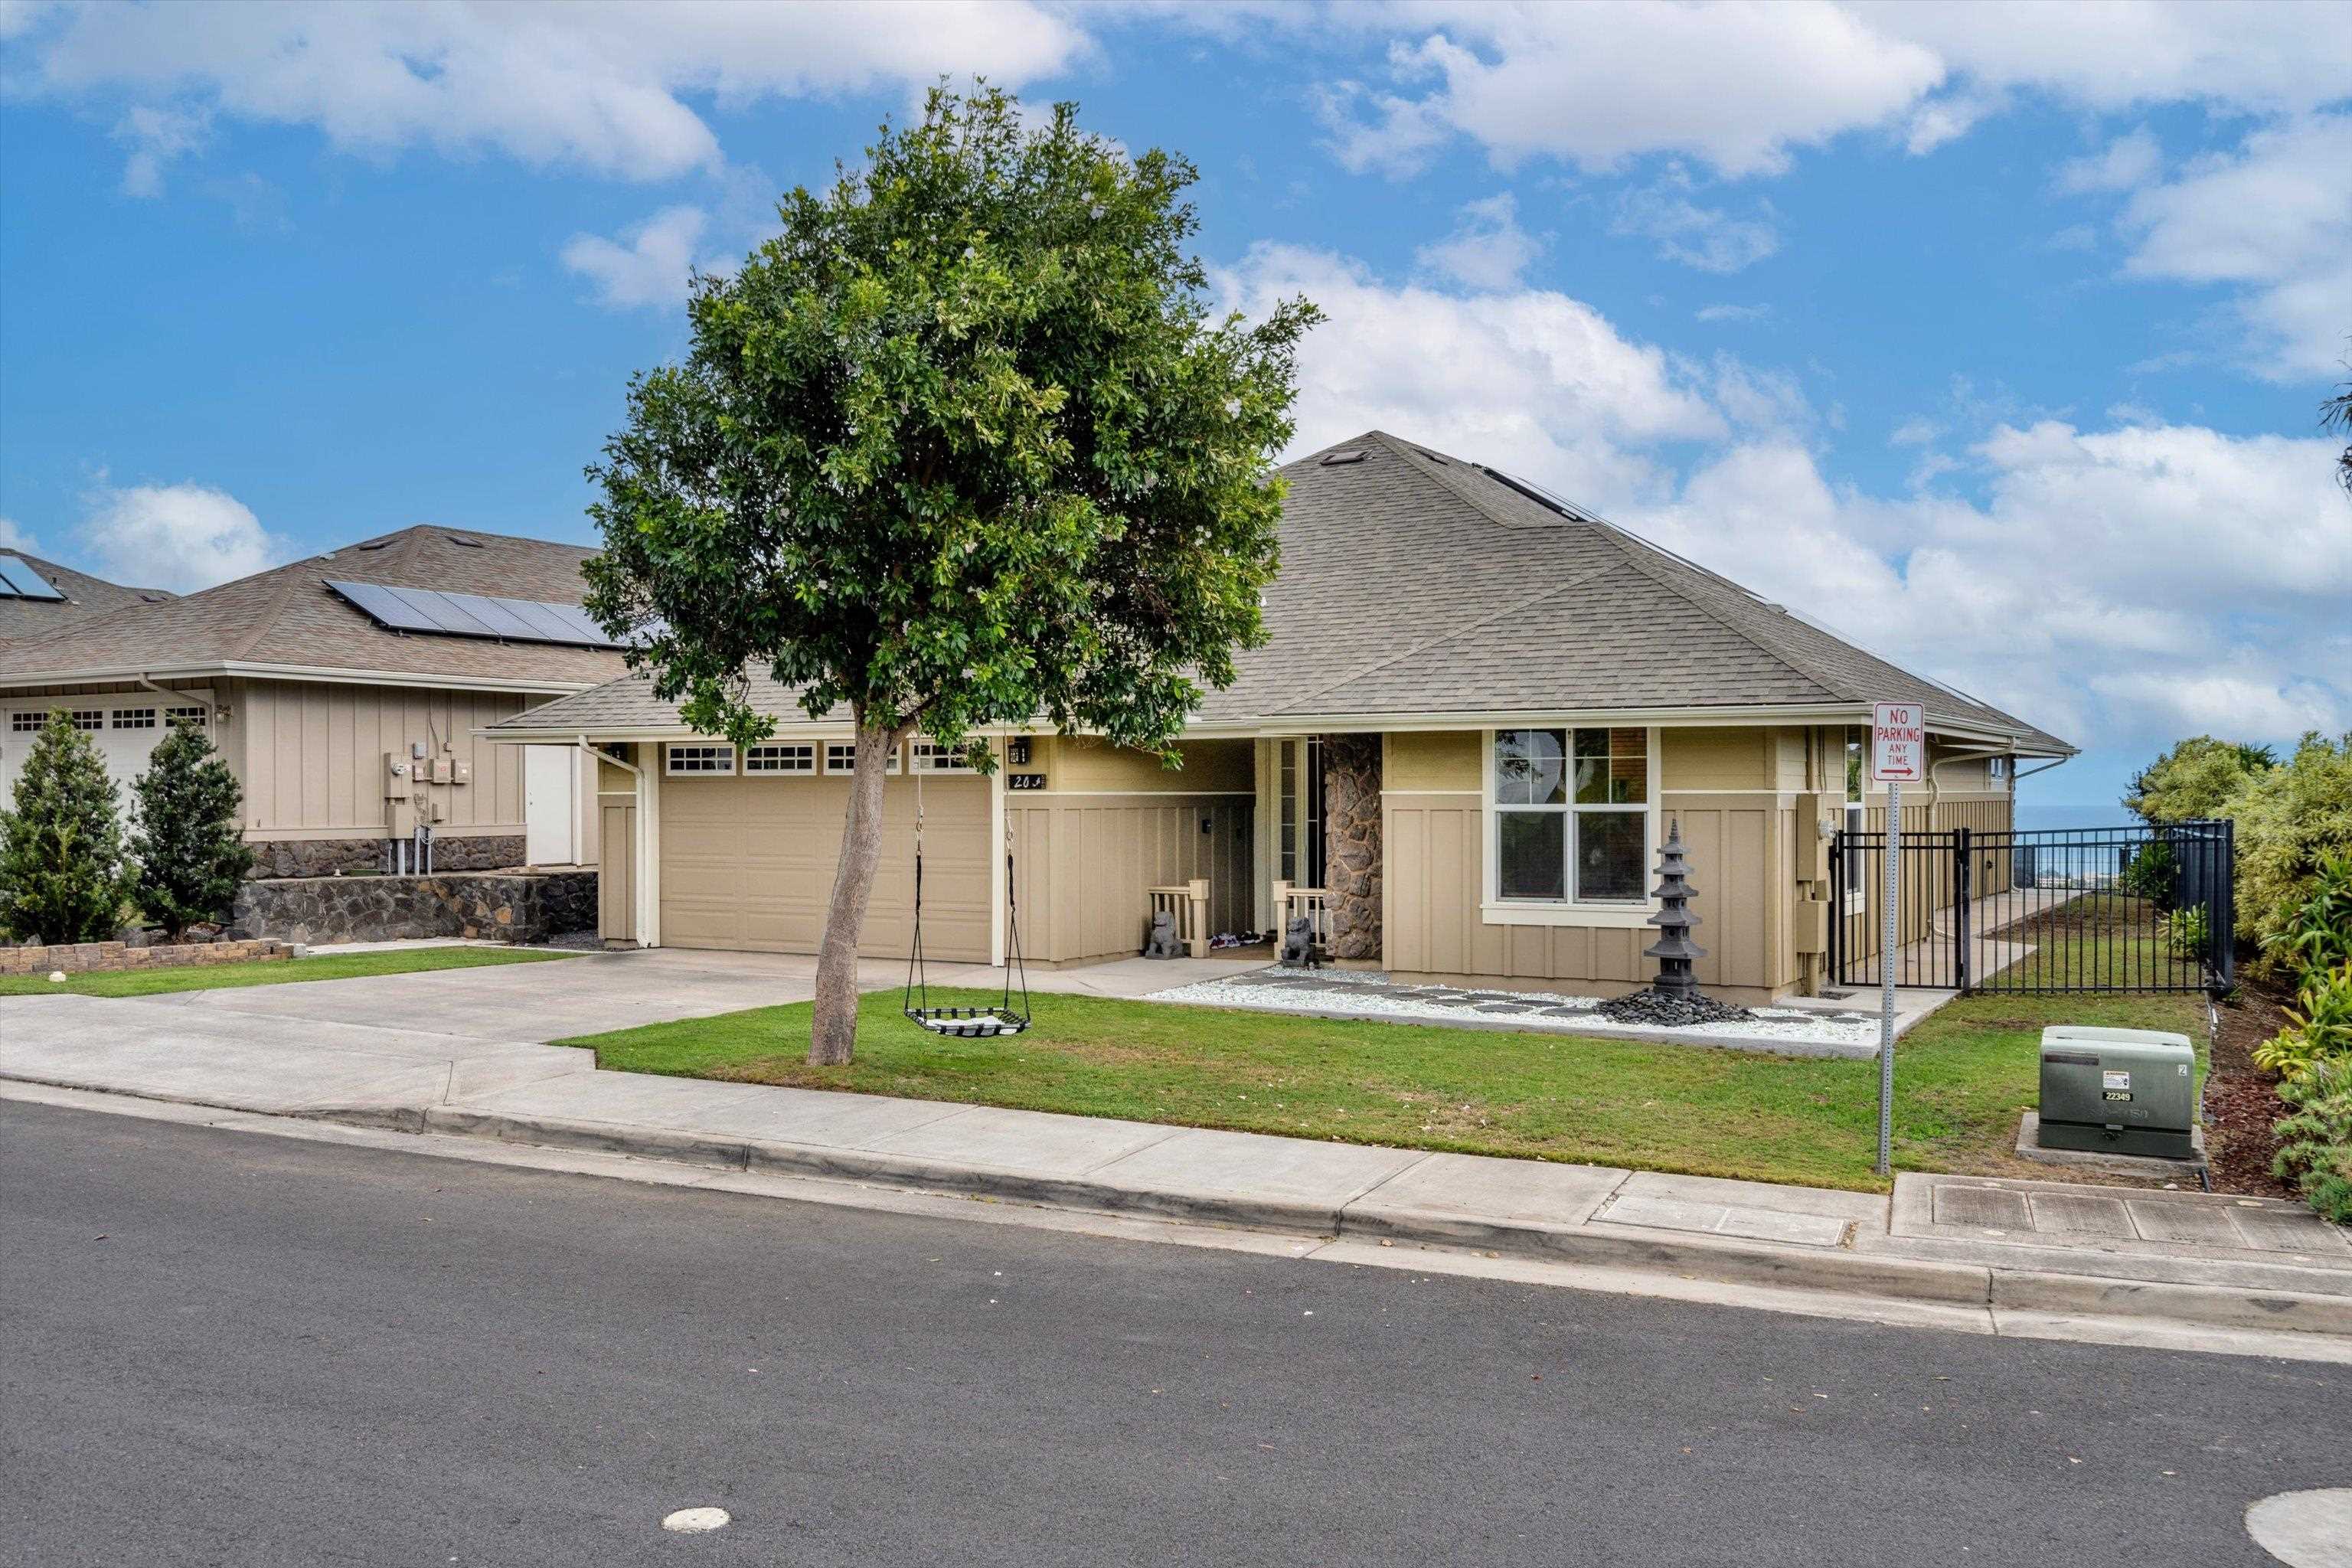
x=1661, y=1011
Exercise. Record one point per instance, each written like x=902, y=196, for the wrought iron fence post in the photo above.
x=1963, y=886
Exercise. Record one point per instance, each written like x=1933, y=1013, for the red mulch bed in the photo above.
x=2243, y=1097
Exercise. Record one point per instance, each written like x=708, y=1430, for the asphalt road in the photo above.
x=218, y=1347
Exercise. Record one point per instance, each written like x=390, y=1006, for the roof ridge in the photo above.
x=266, y=622
x=1635, y=554
x=1461, y=631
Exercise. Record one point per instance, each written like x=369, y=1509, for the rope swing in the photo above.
x=965, y=1023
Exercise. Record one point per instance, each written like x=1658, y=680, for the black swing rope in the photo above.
x=965, y=1023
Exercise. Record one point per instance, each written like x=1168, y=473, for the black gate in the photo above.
x=2054, y=910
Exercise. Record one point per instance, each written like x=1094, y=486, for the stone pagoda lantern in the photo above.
x=1674, y=950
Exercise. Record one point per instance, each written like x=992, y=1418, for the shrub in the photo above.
x=2319, y=1027
x=61, y=870
x=2315, y=1151
x=2291, y=820
x=2318, y=933
x=2190, y=931
x=2199, y=777
x=2153, y=873
x=190, y=849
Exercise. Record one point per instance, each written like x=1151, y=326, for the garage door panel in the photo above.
x=748, y=865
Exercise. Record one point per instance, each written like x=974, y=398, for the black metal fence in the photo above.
x=2122, y=909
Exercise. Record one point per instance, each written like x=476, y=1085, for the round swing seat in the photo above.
x=969, y=1022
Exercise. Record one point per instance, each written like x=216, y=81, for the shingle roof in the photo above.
x=287, y=616
x=1416, y=583
x=85, y=596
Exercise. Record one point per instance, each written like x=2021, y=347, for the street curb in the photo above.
x=1832, y=1271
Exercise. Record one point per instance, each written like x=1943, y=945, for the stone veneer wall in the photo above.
x=276, y=858
x=519, y=907
x=1351, y=844
x=85, y=957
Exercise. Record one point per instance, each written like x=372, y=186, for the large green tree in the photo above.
x=963, y=444
x=61, y=869
x=191, y=851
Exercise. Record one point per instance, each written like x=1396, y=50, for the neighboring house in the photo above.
x=313, y=693
x=40, y=598
x=1459, y=752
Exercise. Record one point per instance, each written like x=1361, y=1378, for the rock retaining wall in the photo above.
x=281, y=858
x=1351, y=844
x=503, y=906
x=91, y=957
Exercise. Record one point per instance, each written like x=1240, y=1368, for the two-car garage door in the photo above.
x=747, y=864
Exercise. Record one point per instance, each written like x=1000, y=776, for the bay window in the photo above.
x=1571, y=816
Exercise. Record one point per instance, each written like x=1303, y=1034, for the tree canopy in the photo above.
x=62, y=878
x=191, y=852
x=962, y=445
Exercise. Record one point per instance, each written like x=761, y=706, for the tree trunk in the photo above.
x=833, y=1038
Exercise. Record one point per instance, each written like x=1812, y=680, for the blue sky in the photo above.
x=1994, y=341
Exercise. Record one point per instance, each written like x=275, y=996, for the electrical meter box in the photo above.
x=442, y=769
x=2118, y=1092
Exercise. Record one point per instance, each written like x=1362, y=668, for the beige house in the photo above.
x=1477, y=713
x=348, y=693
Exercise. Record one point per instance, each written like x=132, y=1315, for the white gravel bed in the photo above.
x=1344, y=991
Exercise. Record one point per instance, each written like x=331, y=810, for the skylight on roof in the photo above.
x=1350, y=454
x=19, y=580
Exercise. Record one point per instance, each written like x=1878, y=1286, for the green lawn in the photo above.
x=272, y=972
x=1963, y=1076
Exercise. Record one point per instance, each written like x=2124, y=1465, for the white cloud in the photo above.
x=2274, y=218
x=183, y=537
x=1947, y=119
x=157, y=135
x=1733, y=312
x=1489, y=249
x=1914, y=433
x=2124, y=163
x=2120, y=587
x=652, y=266
x=601, y=88
x=1584, y=83
x=1708, y=239
x=1528, y=378
x=13, y=537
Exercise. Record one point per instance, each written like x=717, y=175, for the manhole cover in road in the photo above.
x=695, y=1520
x=2305, y=1530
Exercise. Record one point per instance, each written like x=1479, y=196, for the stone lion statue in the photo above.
x=1298, y=950
x=1162, y=942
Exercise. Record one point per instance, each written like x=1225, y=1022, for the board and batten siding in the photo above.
x=1109, y=825
x=1732, y=790
x=314, y=756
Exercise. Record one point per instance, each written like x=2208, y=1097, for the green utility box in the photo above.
x=2118, y=1092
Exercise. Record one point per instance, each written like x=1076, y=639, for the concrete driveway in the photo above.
x=534, y=1003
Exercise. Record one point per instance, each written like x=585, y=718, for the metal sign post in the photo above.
x=1898, y=748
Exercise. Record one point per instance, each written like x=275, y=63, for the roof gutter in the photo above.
x=327, y=673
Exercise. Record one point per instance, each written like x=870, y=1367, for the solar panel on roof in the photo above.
x=19, y=580
x=473, y=614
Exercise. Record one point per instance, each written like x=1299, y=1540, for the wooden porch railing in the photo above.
x=1291, y=902
x=1187, y=904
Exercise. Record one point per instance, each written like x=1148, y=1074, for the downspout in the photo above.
x=1936, y=788
x=641, y=849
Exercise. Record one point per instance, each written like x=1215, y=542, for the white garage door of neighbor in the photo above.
x=550, y=805
x=747, y=865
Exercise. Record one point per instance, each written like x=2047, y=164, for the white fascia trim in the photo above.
x=293, y=672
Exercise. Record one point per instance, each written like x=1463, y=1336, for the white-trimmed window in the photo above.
x=26, y=722
x=87, y=718
x=134, y=717
x=931, y=758
x=1572, y=815
x=841, y=757
x=781, y=757
x=193, y=717
x=700, y=759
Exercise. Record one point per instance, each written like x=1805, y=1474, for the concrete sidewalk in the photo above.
x=2154, y=1258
